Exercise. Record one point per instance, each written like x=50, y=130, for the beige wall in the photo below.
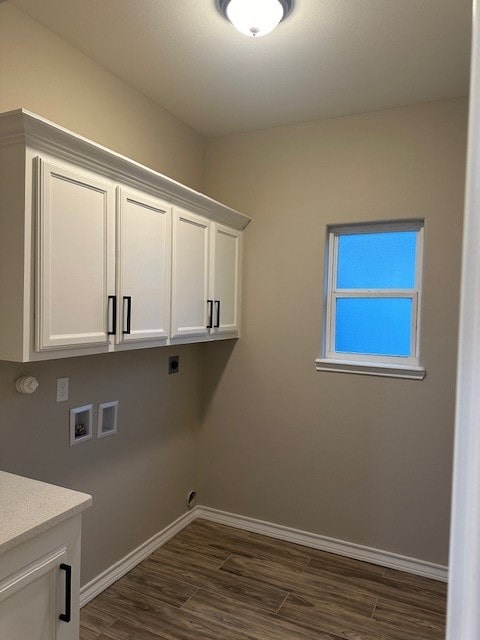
x=41, y=72
x=357, y=458
x=140, y=477
x=353, y=457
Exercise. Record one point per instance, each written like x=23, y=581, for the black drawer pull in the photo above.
x=128, y=299
x=113, y=300
x=67, y=616
x=210, y=314
x=217, y=321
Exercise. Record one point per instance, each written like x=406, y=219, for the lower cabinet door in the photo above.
x=33, y=599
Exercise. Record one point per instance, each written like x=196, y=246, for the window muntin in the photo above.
x=373, y=294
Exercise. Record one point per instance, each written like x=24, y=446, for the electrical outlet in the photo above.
x=62, y=389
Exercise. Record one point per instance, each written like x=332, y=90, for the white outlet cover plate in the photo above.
x=62, y=389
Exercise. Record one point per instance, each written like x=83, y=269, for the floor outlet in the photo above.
x=62, y=389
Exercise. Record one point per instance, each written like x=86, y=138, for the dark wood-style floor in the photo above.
x=218, y=583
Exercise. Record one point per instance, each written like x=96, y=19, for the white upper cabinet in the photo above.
x=190, y=274
x=225, y=280
x=143, y=267
x=75, y=257
x=206, y=281
x=99, y=253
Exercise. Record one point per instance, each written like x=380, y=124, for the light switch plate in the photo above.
x=62, y=389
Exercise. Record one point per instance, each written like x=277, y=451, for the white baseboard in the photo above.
x=128, y=562
x=323, y=543
x=304, y=538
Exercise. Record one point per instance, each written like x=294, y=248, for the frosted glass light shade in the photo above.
x=255, y=18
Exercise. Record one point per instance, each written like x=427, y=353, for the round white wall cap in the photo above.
x=26, y=384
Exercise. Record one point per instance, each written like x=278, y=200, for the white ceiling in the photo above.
x=328, y=58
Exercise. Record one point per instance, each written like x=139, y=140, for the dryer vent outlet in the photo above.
x=191, y=499
x=174, y=364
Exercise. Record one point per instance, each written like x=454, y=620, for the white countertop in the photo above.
x=28, y=507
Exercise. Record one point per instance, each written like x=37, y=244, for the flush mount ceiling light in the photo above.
x=255, y=18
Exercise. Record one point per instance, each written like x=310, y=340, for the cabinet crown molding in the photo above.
x=24, y=127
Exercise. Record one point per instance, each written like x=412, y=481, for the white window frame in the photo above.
x=378, y=365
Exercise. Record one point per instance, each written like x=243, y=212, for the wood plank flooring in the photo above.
x=212, y=582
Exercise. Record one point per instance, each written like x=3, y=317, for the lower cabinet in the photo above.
x=39, y=586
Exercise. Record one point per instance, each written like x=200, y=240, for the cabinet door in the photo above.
x=32, y=599
x=144, y=259
x=75, y=258
x=226, y=259
x=190, y=273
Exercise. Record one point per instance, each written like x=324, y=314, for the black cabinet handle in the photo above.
x=210, y=314
x=128, y=299
x=66, y=617
x=113, y=300
x=217, y=321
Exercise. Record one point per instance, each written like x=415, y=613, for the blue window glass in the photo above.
x=373, y=326
x=377, y=260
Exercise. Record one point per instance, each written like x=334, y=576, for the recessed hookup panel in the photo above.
x=107, y=419
x=174, y=364
x=81, y=424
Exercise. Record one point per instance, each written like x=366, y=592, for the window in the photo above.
x=373, y=299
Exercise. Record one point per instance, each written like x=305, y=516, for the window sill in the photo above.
x=411, y=372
